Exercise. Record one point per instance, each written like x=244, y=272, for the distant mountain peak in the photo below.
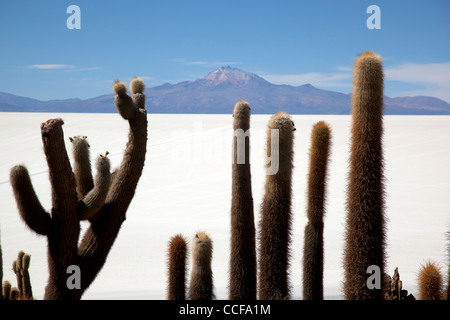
x=231, y=75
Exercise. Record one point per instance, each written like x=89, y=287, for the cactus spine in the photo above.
x=104, y=205
x=177, y=269
x=365, y=225
x=275, y=223
x=313, y=246
x=243, y=251
x=201, y=284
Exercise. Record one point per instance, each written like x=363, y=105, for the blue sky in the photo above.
x=290, y=42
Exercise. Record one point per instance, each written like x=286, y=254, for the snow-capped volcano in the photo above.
x=231, y=75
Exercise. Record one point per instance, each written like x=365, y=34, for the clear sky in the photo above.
x=290, y=42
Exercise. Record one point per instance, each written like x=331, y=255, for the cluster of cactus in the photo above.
x=365, y=235
x=20, y=267
x=201, y=285
x=76, y=196
x=104, y=200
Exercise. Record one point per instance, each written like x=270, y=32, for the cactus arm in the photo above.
x=20, y=268
x=91, y=204
x=65, y=228
x=101, y=234
x=64, y=198
x=137, y=88
x=17, y=266
x=124, y=103
x=82, y=165
x=30, y=208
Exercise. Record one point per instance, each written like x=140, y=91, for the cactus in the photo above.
x=365, y=223
x=275, y=223
x=82, y=165
x=177, y=269
x=243, y=252
x=430, y=282
x=6, y=292
x=448, y=265
x=93, y=200
x=201, y=284
x=72, y=200
x=313, y=246
x=20, y=268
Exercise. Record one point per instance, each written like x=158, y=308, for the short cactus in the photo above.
x=431, y=282
x=201, y=285
x=177, y=269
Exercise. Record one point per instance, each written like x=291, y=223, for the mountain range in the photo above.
x=217, y=92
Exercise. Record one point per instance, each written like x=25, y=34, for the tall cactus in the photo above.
x=275, y=223
x=177, y=269
x=313, y=246
x=365, y=223
x=201, y=286
x=243, y=251
x=73, y=201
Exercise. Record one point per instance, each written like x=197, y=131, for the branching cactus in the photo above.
x=313, y=246
x=431, y=282
x=20, y=268
x=177, y=269
x=75, y=197
x=365, y=223
x=243, y=251
x=201, y=285
x=275, y=223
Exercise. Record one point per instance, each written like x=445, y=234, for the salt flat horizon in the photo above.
x=186, y=187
